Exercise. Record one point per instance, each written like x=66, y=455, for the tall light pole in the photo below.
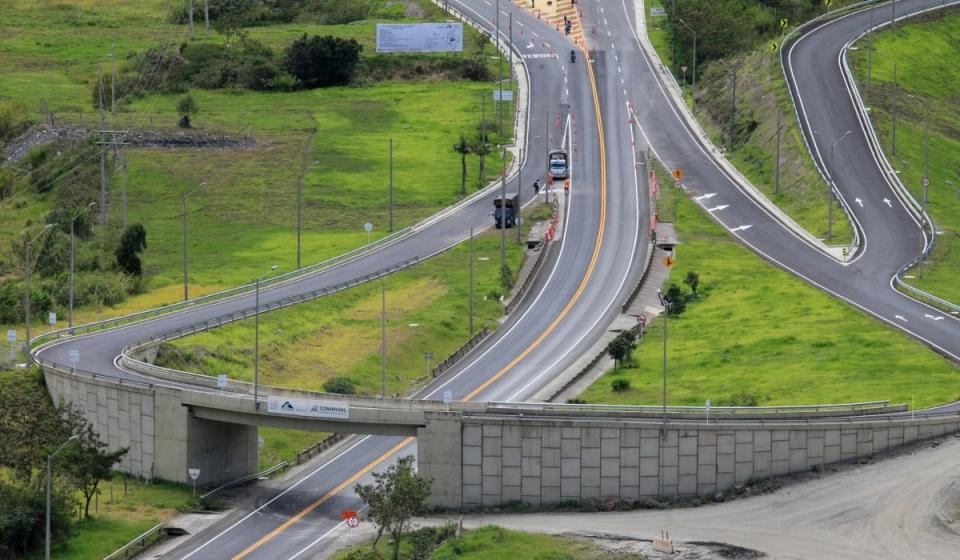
x=49, y=488
x=256, y=339
x=830, y=186
x=186, y=293
x=693, y=87
x=666, y=314
x=26, y=281
x=470, y=321
x=299, y=221
x=73, y=222
x=383, y=338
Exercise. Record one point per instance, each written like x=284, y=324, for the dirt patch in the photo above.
x=42, y=135
x=620, y=546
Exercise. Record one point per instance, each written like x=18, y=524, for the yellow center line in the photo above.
x=563, y=313
x=340, y=487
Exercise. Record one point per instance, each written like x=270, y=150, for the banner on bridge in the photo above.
x=308, y=407
x=419, y=37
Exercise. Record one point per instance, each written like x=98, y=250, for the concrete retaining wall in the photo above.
x=544, y=462
x=163, y=438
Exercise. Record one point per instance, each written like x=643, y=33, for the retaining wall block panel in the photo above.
x=511, y=456
x=550, y=495
x=649, y=486
x=610, y=447
x=570, y=448
x=687, y=485
x=511, y=476
x=707, y=455
x=669, y=456
x=649, y=447
x=725, y=463
x=510, y=494
x=550, y=476
x=491, y=487
x=688, y=445
x=629, y=493
x=590, y=476
x=491, y=466
x=761, y=463
x=511, y=435
x=591, y=437
x=726, y=444
x=629, y=437
x=472, y=455
x=706, y=474
x=669, y=476
x=530, y=486
x=472, y=475
x=798, y=440
x=491, y=429
x=831, y=438
x=550, y=437
x=530, y=466
x=762, y=440
x=744, y=452
x=570, y=467
x=550, y=457
x=724, y=481
x=743, y=436
x=630, y=457
x=473, y=435
x=530, y=432
x=590, y=457
x=610, y=487
x=570, y=488
x=687, y=465
x=707, y=437
x=743, y=472
x=629, y=476
x=492, y=446
x=568, y=432
x=530, y=447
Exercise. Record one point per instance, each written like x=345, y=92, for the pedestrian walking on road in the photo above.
x=536, y=187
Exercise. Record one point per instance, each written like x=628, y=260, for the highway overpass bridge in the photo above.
x=486, y=454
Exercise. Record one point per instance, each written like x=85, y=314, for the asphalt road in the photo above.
x=904, y=507
x=582, y=284
x=890, y=235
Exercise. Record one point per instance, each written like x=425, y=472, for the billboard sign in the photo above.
x=308, y=407
x=419, y=37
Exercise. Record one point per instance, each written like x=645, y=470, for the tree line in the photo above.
x=32, y=428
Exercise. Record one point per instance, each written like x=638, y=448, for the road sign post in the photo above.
x=194, y=475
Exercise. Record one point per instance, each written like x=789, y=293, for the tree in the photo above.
x=676, y=300
x=463, y=148
x=322, y=61
x=231, y=16
x=87, y=461
x=692, y=280
x=621, y=347
x=395, y=496
x=186, y=107
x=482, y=148
x=132, y=242
x=340, y=385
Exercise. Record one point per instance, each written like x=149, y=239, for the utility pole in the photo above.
x=390, y=187
x=383, y=338
x=733, y=108
x=893, y=132
x=113, y=79
x=893, y=15
x=925, y=182
x=206, y=17
x=123, y=189
x=500, y=80
x=73, y=227
x=666, y=314
x=673, y=37
x=520, y=192
x=103, y=154
x=186, y=275
x=193, y=34
x=777, y=176
x=870, y=54
x=546, y=185
x=470, y=322
x=299, y=222
x=503, y=218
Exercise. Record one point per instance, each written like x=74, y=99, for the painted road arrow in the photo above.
x=860, y=202
x=741, y=228
x=717, y=208
x=705, y=196
x=902, y=318
x=887, y=202
x=937, y=318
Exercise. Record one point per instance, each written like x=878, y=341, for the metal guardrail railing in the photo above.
x=646, y=409
x=139, y=544
x=243, y=480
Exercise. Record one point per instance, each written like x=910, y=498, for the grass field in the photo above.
x=339, y=335
x=761, y=94
x=762, y=332
x=494, y=543
x=925, y=83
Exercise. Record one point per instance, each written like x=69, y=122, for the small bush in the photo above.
x=743, y=398
x=322, y=61
x=576, y=401
x=620, y=385
x=341, y=386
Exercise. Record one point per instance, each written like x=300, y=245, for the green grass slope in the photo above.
x=760, y=331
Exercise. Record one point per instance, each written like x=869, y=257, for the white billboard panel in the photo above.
x=419, y=37
x=308, y=407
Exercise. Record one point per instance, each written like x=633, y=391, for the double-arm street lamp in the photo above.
x=73, y=222
x=49, y=487
x=27, y=242
x=186, y=293
x=256, y=339
x=693, y=87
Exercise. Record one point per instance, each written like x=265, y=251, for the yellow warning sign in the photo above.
x=668, y=261
x=678, y=173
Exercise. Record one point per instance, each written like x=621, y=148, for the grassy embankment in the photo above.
x=493, y=543
x=243, y=220
x=758, y=331
x=339, y=335
x=124, y=509
x=761, y=94
x=919, y=49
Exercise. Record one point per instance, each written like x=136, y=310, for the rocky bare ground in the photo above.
x=41, y=135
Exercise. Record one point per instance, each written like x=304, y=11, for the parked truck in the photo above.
x=559, y=165
x=505, y=210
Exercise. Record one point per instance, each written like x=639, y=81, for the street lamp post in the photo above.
x=26, y=281
x=666, y=314
x=186, y=292
x=256, y=340
x=693, y=87
x=73, y=222
x=829, y=174
x=49, y=487
x=299, y=221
